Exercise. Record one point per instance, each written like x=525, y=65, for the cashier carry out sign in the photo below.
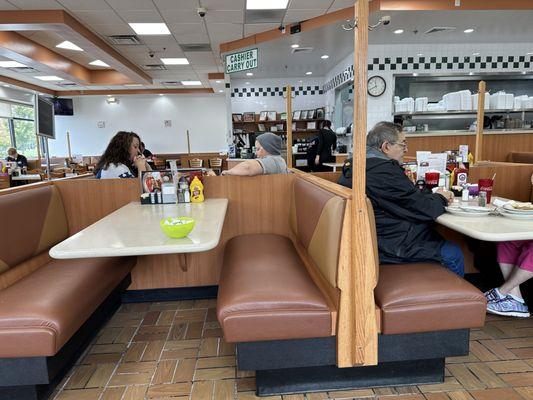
x=241, y=61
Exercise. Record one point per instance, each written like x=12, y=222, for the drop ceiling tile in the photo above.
x=151, y=16
x=36, y=4
x=84, y=5
x=301, y=15
x=112, y=29
x=190, y=33
x=181, y=16
x=136, y=5
x=4, y=5
x=225, y=16
x=176, y=4
x=224, y=4
x=225, y=32
x=338, y=4
x=310, y=4
x=252, y=29
x=158, y=40
x=99, y=17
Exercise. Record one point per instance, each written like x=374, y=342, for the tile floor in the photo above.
x=174, y=350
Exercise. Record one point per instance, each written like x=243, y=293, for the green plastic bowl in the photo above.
x=177, y=231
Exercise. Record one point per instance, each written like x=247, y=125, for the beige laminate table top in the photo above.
x=134, y=230
x=492, y=228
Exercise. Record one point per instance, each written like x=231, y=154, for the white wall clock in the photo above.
x=376, y=86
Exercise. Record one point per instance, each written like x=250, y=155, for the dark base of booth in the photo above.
x=308, y=365
x=18, y=376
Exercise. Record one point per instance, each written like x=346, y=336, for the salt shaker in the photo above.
x=464, y=194
x=482, y=199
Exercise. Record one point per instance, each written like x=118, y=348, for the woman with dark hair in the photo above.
x=327, y=141
x=122, y=158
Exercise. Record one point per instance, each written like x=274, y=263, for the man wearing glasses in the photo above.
x=403, y=213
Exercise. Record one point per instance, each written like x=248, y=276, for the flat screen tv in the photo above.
x=45, y=118
x=63, y=107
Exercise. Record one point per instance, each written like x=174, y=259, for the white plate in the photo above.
x=510, y=209
x=516, y=216
x=475, y=209
x=457, y=211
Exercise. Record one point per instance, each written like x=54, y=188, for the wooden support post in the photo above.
x=289, y=126
x=68, y=146
x=480, y=117
x=357, y=335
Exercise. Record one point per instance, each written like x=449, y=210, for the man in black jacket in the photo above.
x=403, y=213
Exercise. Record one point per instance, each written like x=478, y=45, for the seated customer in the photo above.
x=403, y=213
x=13, y=156
x=269, y=160
x=145, y=152
x=516, y=263
x=122, y=158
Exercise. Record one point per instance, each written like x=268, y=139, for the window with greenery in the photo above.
x=17, y=129
x=5, y=137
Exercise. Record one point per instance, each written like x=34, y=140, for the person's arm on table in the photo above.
x=246, y=168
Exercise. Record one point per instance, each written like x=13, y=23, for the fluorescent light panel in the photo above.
x=150, y=28
x=266, y=4
x=69, y=46
x=175, y=61
x=49, y=78
x=98, y=63
x=11, y=64
x=191, y=83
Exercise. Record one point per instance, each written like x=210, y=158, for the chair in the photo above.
x=216, y=165
x=196, y=163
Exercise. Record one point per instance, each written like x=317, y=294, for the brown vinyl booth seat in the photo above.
x=520, y=157
x=284, y=327
x=44, y=302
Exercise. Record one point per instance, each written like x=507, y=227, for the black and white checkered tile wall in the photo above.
x=439, y=64
x=274, y=91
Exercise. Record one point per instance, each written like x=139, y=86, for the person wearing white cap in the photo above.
x=268, y=161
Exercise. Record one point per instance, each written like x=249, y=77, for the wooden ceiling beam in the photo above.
x=132, y=91
x=444, y=5
x=25, y=85
x=71, y=29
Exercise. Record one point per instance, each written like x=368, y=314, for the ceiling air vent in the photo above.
x=196, y=47
x=439, y=29
x=302, y=50
x=263, y=16
x=23, y=69
x=66, y=84
x=154, y=67
x=124, y=39
x=171, y=83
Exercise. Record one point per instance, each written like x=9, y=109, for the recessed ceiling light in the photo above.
x=249, y=74
x=324, y=57
x=98, y=63
x=160, y=94
x=69, y=46
x=470, y=73
x=420, y=54
x=220, y=91
x=247, y=83
x=295, y=45
x=266, y=4
x=11, y=64
x=6, y=85
x=415, y=73
x=191, y=83
x=49, y=78
x=218, y=81
x=133, y=85
x=175, y=61
x=150, y=28
x=398, y=31
x=475, y=54
x=530, y=53
x=469, y=30
x=309, y=73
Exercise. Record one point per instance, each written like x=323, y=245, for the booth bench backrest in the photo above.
x=316, y=218
x=33, y=220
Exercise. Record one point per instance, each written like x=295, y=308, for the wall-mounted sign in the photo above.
x=242, y=61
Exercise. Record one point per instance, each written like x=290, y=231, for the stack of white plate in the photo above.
x=512, y=212
x=469, y=211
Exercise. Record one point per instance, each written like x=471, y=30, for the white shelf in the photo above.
x=462, y=112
